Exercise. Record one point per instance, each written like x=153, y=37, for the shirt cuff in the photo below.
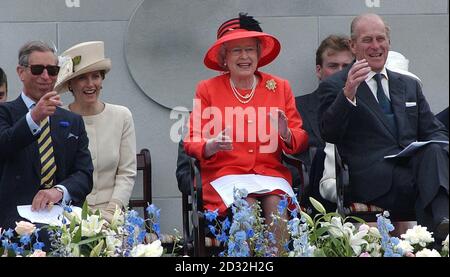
x=66, y=196
x=34, y=128
x=352, y=101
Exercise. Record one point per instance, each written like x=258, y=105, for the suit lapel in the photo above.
x=397, y=94
x=365, y=95
x=313, y=104
x=33, y=149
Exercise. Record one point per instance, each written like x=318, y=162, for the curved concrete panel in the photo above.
x=165, y=47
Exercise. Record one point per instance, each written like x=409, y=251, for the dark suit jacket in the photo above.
x=308, y=107
x=20, y=164
x=443, y=117
x=362, y=133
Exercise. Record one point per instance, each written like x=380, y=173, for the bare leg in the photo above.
x=251, y=201
x=270, y=206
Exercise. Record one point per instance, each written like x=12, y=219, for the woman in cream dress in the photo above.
x=110, y=128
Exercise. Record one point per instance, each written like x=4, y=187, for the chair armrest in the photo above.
x=198, y=220
x=301, y=168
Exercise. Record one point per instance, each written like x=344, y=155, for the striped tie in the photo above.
x=47, y=157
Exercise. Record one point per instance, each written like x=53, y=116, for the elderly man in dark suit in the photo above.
x=370, y=112
x=332, y=55
x=44, y=156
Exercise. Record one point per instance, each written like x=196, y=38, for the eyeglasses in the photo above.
x=238, y=51
x=37, y=69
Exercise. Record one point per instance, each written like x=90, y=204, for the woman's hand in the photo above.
x=220, y=143
x=280, y=123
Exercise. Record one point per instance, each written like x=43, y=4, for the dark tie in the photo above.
x=385, y=104
x=46, y=155
x=381, y=96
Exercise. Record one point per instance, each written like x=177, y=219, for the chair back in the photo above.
x=195, y=241
x=144, y=169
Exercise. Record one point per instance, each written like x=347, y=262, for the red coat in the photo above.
x=246, y=157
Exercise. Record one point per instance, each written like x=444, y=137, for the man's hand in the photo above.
x=45, y=198
x=356, y=75
x=220, y=143
x=46, y=106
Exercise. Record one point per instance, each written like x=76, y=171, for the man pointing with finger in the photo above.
x=44, y=156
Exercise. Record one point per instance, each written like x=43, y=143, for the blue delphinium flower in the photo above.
x=387, y=243
x=25, y=239
x=9, y=233
x=211, y=215
x=38, y=245
x=282, y=205
x=154, y=214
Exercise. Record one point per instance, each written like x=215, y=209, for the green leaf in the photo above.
x=320, y=231
x=318, y=252
x=97, y=212
x=91, y=239
x=2, y=250
x=97, y=249
x=316, y=204
x=73, y=224
x=11, y=253
x=75, y=250
x=76, y=60
x=360, y=220
x=84, y=212
x=329, y=216
x=77, y=237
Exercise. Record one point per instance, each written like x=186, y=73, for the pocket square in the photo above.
x=410, y=104
x=72, y=136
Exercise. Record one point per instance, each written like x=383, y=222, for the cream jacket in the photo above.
x=112, y=143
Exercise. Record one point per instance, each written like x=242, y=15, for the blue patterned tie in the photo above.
x=385, y=104
x=381, y=96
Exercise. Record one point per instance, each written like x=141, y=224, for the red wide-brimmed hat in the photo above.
x=242, y=27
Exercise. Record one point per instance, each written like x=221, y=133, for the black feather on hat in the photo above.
x=249, y=23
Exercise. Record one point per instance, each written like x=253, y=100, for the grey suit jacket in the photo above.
x=362, y=133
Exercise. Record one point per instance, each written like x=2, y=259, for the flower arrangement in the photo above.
x=324, y=235
x=19, y=242
x=87, y=234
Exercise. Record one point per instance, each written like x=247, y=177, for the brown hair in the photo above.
x=3, y=79
x=333, y=42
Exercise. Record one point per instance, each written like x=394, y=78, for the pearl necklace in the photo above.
x=246, y=98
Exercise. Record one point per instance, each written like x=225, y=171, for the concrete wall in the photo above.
x=157, y=49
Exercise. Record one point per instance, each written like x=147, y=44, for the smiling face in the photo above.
x=86, y=87
x=241, y=57
x=35, y=86
x=333, y=62
x=371, y=41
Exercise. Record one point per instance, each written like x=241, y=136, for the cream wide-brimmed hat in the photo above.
x=80, y=59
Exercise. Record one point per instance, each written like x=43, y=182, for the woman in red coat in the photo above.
x=243, y=119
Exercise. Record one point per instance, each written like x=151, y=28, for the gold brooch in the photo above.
x=271, y=85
